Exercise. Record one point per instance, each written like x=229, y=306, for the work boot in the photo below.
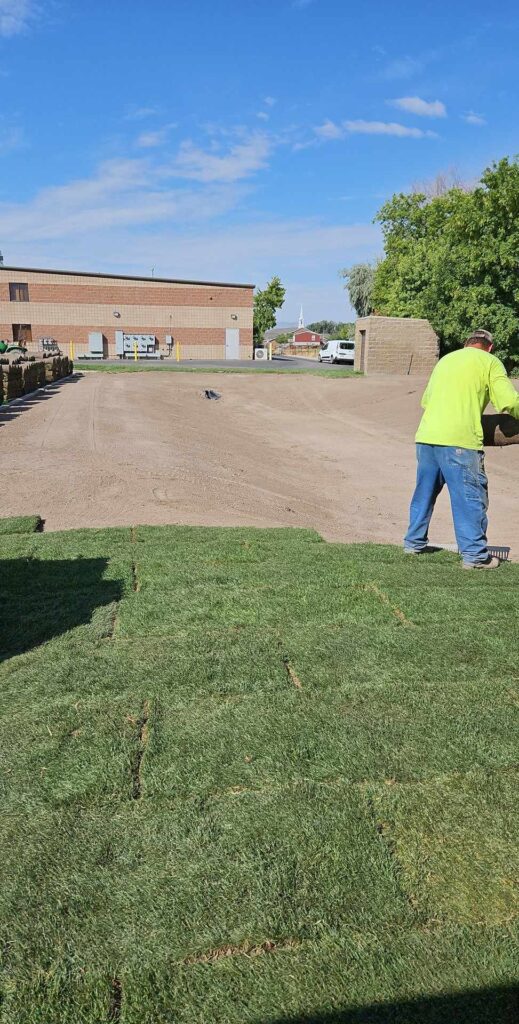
x=429, y=549
x=491, y=563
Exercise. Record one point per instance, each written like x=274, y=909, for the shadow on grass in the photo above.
x=45, y=599
x=485, y=1006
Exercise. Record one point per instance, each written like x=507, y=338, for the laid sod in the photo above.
x=123, y=367
x=249, y=777
x=20, y=524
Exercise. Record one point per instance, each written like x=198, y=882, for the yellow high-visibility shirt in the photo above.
x=459, y=388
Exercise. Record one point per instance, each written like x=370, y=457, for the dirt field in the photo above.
x=274, y=451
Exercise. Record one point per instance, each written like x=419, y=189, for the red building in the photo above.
x=302, y=336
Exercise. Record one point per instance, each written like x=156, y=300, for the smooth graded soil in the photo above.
x=333, y=454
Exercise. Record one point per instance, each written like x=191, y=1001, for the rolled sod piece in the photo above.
x=499, y=429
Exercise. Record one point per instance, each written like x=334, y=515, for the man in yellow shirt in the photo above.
x=449, y=447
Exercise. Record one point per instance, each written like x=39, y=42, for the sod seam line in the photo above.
x=133, y=567
x=142, y=742
x=268, y=946
x=116, y=998
x=371, y=588
x=245, y=949
x=113, y=622
x=135, y=582
x=338, y=782
x=292, y=675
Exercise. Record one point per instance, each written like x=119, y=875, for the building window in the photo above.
x=22, y=334
x=18, y=292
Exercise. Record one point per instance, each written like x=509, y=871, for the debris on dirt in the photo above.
x=209, y=393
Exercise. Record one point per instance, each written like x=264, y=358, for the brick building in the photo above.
x=390, y=344
x=302, y=336
x=209, y=320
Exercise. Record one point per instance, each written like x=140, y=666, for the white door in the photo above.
x=232, y=343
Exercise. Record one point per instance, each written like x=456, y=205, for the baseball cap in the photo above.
x=484, y=336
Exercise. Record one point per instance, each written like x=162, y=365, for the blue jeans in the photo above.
x=463, y=470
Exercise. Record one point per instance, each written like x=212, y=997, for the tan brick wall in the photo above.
x=143, y=318
x=196, y=342
x=396, y=345
x=140, y=295
x=67, y=307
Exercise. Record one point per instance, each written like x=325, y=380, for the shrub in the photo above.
x=40, y=372
x=1, y=387
x=14, y=382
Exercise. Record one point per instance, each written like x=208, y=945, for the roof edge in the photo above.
x=127, y=277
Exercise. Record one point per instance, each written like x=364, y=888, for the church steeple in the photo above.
x=301, y=319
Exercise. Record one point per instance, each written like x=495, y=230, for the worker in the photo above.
x=449, y=447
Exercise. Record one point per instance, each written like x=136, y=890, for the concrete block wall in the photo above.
x=68, y=306
x=395, y=345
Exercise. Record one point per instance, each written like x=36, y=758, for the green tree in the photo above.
x=453, y=260
x=345, y=331
x=333, y=329
x=266, y=303
x=359, y=285
x=323, y=327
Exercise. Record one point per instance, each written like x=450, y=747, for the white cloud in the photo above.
x=270, y=101
x=140, y=192
x=386, y=128
x=152, y=139
x=263, y=116
x=140, y=113
x=122, y=193
x=329, y=130
x=472, y=118
x=415, y=105
x=16, y=16
x=241, y=160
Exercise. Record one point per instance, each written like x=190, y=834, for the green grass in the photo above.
x=20, y=524
x=123, y=367
x=249, y=777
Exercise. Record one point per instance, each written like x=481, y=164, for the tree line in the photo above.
x=451, y=256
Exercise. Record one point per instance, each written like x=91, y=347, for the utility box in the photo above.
x=125, y=344
x=97, y=345
x=395, y=345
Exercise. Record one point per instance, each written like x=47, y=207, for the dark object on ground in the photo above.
x=499, y=429
x=209, y=393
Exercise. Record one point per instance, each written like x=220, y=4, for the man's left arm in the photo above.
x=502, y=393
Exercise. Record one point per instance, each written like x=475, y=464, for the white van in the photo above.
x=337, y=351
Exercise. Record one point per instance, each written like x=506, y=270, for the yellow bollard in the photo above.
x=135, y=356
x=71, y=350
x=177, y=351
x=270, y=350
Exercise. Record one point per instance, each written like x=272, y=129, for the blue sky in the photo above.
x=236, y=139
